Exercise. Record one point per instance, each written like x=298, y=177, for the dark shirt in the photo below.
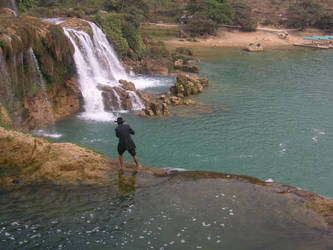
x=123, y=132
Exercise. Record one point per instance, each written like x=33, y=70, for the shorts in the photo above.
x=122, y=149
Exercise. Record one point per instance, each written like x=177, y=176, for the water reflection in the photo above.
x=126, y=183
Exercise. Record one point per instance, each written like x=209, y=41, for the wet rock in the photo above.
x=127, y=85
x=178, y=63
x=175, y=100
x=4, y=117
x=188, y=85
x=165, y=109
x=188, y=102
x=66, y=99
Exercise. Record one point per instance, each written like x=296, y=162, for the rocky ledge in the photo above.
x=126, y=97
x=25, y=159
x=185, y=86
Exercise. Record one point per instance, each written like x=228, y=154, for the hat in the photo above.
x=120, y=120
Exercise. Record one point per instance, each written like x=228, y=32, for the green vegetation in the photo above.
x=204, y=16
x=26, y=4
x=243, y=16
x=304, y=14
x=325, y=22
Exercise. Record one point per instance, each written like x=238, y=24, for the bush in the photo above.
x=220, y=12
x=134, y=39
x=325, y=22
x=200, y=25
x=24, y=5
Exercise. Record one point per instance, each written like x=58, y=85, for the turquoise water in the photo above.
x=267, y=115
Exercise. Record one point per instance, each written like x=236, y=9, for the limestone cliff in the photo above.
x=36, y=72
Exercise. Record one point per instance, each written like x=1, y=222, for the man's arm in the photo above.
x=131, y=130
x=116, y=132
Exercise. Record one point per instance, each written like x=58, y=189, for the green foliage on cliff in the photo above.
x=26, y=4
x=122, y=33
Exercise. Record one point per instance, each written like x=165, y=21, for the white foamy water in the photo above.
x=43, y=133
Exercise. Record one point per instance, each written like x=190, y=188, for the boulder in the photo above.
x=165, y=109
x=254, y=47
x=127, y=85
x=156, y=108
x=188, y=85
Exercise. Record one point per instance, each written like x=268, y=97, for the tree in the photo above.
x=304, y=13
x=205, y=15
x=243, y=16
x=200, y=25
x=325, y=22
x=219, y=12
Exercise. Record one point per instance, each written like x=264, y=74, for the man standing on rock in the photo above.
x=123, y=132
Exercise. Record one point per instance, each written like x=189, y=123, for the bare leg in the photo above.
x=136, y=161
x=121, y=161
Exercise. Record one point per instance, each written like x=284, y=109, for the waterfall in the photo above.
x=97, y=63
x=41, y=84
x=90, y=74
x=6, y=91
x=118, y=99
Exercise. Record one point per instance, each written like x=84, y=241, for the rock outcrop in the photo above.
x=184, y=87
x=252, y=47
x=121, y=97
x=188, y=85
x=26, y=159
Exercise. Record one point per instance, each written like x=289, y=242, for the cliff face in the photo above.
x=36, y=73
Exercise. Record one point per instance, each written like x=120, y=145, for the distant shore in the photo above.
x=231, y=38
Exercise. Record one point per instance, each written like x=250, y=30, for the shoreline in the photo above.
x=231, y=38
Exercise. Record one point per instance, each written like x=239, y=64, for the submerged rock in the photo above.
x=254, y=47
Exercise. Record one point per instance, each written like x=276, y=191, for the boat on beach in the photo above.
x=318, y=42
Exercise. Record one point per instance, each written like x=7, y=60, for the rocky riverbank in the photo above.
x=26, y=160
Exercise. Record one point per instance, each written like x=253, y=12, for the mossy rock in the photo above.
x=5, y=120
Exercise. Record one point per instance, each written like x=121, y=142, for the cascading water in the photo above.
x=90, y=74
x=97, y=63
x=42, y=84
x=118, y=100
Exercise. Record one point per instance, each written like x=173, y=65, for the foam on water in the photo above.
x=43, y=133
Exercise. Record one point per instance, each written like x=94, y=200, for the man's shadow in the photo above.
x=126, y=183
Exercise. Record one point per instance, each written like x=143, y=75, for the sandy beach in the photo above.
x=226, y=37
